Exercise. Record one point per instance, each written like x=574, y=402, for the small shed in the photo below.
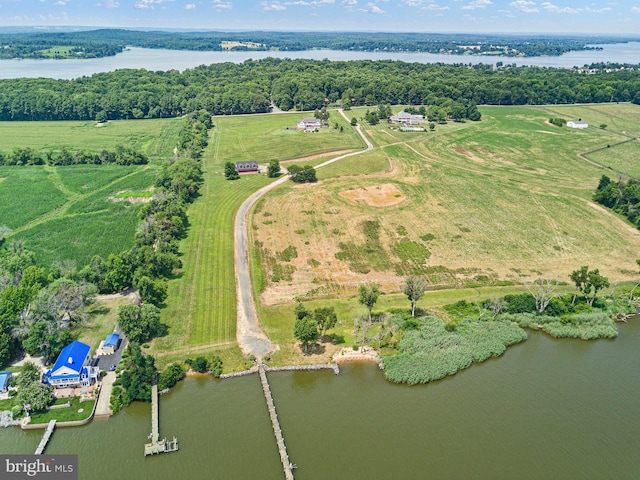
x=110, y=344
x=577, y=124
x=4, y=381
x=247, y=166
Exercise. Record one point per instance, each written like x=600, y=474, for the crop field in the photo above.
x=201, y=308
x=155, y=137
x=76, y=212
x=470, y=204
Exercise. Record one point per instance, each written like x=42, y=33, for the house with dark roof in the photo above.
x=72, y=368
x=110, y=345
x=247, y=166
x=4, y=381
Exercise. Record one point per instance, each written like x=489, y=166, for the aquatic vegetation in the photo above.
x=432, y=352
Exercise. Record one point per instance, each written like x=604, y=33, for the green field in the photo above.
x=155, y=137
x=75, y=212
x=623, y=159
x=201, y=308
x=481, y=203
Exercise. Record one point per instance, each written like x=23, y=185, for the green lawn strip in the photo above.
x=67, y=414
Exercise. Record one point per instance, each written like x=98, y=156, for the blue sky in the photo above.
x=516, y=16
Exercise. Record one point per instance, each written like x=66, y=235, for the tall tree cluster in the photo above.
x=250, y=87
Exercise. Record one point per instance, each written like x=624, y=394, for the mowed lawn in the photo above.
x=71, y=212
x=472, y=204
x=201, y=308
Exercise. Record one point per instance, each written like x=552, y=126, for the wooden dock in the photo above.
x=157, y=445
x=45, y=438
x=284, y=456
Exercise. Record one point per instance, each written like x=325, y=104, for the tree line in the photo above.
x=106, y=42
x=122, y=155
x=622, y=196
x=250, y=87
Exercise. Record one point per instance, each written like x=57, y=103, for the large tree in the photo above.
x=414, y=288
x=35, y=396
x=140, y=323
x=368, y=296
x=306, y=330
x=326, y=318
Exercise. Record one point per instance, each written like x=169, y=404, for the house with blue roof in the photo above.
x=72, y=368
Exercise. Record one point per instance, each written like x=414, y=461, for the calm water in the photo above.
x=152, y=59
x=548, y=409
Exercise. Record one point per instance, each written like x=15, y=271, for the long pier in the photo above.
x=45, y=438
x=284, y=456
x=157, y=445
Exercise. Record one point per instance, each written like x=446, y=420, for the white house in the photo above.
x=406, y=118
x=309, y=124
x=72, y=368
x=577, y=124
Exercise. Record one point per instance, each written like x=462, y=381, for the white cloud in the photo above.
x=550, y=7
x=433, y=6
x=349, y=3
x=222, y=5
x=371, y=8
x=148, y=4
x=272, y=7
x=109, y=3
x=310, y=3
x=525, y=6
x=190, y=6
x=61, y=3
x=635, y=9
x=477, y=4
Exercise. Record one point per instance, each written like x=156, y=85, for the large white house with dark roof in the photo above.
x=72, y=368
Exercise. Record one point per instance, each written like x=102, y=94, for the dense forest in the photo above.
x=250, y=87
x=621, y=196
x=105, y=42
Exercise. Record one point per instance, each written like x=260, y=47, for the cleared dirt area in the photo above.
x=375, y=196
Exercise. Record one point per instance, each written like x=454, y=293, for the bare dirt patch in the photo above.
x=467, y=153
x=375, y=196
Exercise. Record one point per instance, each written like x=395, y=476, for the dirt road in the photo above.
x=251, y=337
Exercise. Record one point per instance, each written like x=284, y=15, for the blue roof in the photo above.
x=72, y=356
x=112, y=340
x=4, y=379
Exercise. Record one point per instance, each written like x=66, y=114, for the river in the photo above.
x=160, y=59
x=547, y=409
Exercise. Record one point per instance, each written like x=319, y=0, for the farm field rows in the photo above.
x=201, y=308
x=72, y=212
x=471, y=204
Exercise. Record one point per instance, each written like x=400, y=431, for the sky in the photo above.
x=499, y=16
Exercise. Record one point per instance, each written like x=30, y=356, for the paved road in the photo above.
x=251, y=337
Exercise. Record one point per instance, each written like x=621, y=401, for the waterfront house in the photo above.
x=577, y=124
x=247, y=166
x=406, y=118
x=72, y=368
x=4, y=381
x=309, y=124
x=110, y=344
